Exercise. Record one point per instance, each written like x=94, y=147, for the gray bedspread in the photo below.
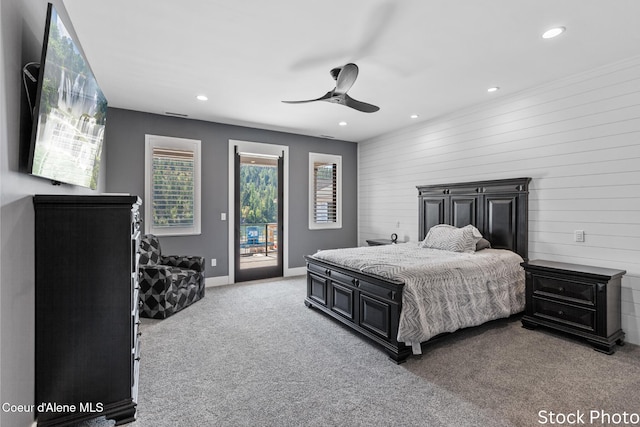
x=444, y=291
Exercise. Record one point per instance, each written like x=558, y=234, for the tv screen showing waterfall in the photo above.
x=70, y=111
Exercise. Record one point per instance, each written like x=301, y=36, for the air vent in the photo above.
x=327, y=136
x=168, y=113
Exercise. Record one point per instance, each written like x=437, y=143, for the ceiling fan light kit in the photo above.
x=345, y=77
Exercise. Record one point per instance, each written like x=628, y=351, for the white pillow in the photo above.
x=449, y=238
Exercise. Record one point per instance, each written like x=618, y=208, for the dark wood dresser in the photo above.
x=577, y=299
x=86, y=314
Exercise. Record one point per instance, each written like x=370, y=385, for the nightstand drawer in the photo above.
x=576, y=317
x=564, y=289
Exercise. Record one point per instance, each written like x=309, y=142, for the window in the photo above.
x=172, y=186
x=325, y=191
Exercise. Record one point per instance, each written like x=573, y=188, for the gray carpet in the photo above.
x=253, y=354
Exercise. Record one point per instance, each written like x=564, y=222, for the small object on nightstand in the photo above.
x=577, y=299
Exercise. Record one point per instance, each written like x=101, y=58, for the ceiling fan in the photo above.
x=345, y=77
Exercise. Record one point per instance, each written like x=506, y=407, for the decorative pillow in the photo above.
x=482, y=244
x=449, y=238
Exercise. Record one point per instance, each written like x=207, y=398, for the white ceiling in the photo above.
x=427, y=57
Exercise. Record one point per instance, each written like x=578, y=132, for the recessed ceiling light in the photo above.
x=493, y=89
x=202, y=98
x=553, y=32
x=414, y=116
x=342, y=123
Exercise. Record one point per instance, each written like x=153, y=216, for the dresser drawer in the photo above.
x=576, y=317
x=564, y=289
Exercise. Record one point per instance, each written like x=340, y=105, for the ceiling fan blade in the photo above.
x=322, y=98
x=346, y=78
x=375, y=25
x=378, y=24
x=359, y=105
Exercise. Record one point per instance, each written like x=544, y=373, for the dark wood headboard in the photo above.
x=498, y=208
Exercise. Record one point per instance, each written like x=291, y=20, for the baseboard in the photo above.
x=298, y=271
x=210, y=282
x=216, y=281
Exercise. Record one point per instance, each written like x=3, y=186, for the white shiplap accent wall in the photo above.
x=578, y=138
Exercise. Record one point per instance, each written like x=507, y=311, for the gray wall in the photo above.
x=125, y=173
x=21, y=30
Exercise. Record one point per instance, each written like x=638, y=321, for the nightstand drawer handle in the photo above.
x=561, y=289
x=560, y=313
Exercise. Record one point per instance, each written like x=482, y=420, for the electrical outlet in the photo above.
x=223, y=216
x=579, y=235
x=213, y=262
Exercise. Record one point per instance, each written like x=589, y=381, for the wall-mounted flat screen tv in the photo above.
x=70, y=111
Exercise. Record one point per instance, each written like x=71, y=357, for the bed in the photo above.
x=401, y=296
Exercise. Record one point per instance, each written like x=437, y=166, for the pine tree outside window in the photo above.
x=172, y=186
x=325, y=191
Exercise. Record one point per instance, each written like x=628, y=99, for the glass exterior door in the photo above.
x=258, y=211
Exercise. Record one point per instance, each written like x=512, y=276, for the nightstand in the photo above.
x=380, y=242
x=577, y=299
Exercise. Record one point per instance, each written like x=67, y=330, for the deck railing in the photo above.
x=258, y=238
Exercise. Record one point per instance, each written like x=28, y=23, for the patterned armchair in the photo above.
x=167, y=283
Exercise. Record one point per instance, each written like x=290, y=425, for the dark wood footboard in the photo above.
x=369, y=305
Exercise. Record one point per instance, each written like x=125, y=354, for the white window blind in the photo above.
x=173, y=186
x=325, y=191
x=173, y=189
